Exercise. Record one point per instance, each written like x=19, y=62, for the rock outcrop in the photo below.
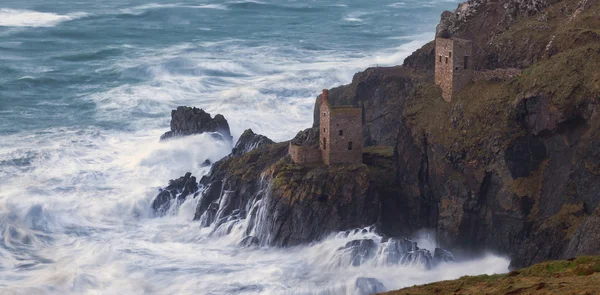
x=177, y=191
x=249, y=141
x=189, y=121
x=282, y=204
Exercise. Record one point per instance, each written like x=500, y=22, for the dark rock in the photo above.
x=419, y=257
x=249, y=141
x=307, y=137
x=391, y=250
x=249, y=242
x=368, y=286
x=525, y=156
x=586, y=240
x=440, y=255
x=177, y=189
x=188, y=121
x=206, y=163
x=210, y=195
x=358, y=251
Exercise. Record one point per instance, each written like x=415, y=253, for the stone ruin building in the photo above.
x=340, y=137
x=453, y=65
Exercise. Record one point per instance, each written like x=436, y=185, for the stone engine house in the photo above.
x=340, y=137
x=453, y=65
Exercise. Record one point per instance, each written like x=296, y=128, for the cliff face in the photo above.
x=277, y=203
x=512, y=164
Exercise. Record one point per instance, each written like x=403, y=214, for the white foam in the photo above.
x=28, y=18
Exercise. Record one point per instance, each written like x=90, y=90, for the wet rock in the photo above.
x=390, y=251
x=209, y=215
x=249, y=141
x=417, y=257
x=177, y=189
x=440, y=255
x=249, y=242
x=188, y=121
x=368, y=286
x=358, y=251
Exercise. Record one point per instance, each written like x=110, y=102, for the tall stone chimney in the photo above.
x=324, y=97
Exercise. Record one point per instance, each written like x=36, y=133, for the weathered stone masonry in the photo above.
x=453, y=65
x=340, y=139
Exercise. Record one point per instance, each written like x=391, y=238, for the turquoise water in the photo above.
x=86, y=89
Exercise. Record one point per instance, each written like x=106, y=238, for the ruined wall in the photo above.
x=305, y=154
x=344, y=136
x=444, y=62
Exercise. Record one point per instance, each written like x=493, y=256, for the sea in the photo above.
x=86, y=90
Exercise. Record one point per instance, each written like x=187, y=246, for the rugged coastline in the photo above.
x=511, y=164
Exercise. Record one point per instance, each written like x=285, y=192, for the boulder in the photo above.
x=188, y=121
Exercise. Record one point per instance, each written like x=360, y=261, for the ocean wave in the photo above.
x=141, y=9
x=28, y=18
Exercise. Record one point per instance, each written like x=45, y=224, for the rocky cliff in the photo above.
x=188, y=121
x=512, y=164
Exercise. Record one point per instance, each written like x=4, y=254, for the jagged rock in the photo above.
x=368, y=286
x=358, y=251
x=440, y=255
x=249, y=141
x=249, y=242
x=586, y=240
x=188, y=121
x=419, y=257
x=177, y=189
x=259, y=183
x=391, y=250
x=307, y=137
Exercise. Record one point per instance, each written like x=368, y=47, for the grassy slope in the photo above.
x=578, y=276
x=565, y=56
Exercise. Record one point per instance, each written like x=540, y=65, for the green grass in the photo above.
x=574, y=276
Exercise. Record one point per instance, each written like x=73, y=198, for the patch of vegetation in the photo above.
x=529, y=186
x=381, y=150
x=477, y=124
x=569, y=78
x=574, y=276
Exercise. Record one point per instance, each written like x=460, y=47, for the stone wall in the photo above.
x=462, y=64
x=453, y=64
x=443, y=66
x=305, y=154
x=344, y=136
